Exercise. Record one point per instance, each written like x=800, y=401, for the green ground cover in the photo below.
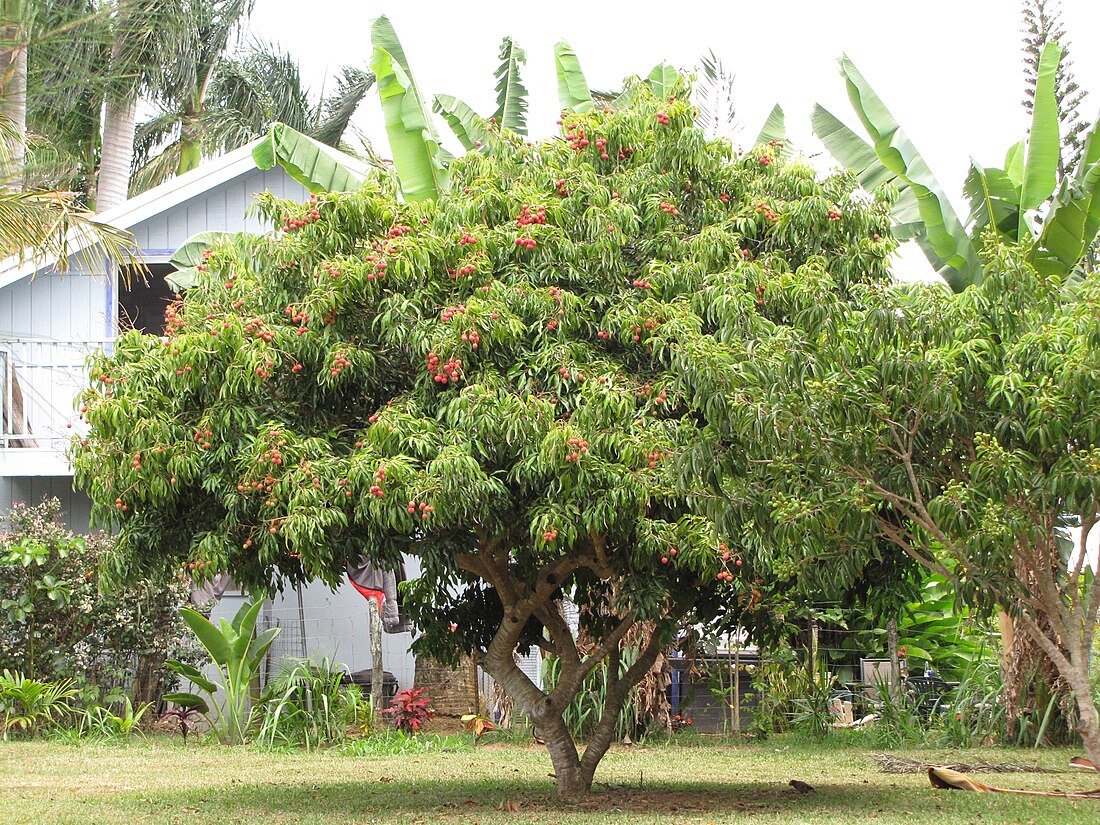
x=162, y=780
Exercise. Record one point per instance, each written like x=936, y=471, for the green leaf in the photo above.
x=774, y=127
x=211, y=637
x=662, y=80
x=189, y=701
x=574, y=93
x=852, y=151
x=993, y=199
x=511, y=110
x=1072, y=224
x=310, y=162
x=417, y=153
x=190, y=255
x=259, y=647
x=469, y=127
x=1014, y=163
x=1043, y=146
x=245, y=623
x=191, y=673
x=949, y=248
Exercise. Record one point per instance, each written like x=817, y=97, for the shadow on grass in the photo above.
x=432, y=799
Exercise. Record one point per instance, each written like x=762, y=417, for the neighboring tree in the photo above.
x=482, y=379
x=962, y=428
x=38, y=222
x=1006, y=199
x=1043, y=25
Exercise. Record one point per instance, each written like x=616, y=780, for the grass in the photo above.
x=162, y=780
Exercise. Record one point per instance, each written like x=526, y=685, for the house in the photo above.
x=50, y=323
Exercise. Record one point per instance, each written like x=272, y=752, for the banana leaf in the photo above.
x=1043, y=144
x=308, y=161
x=419, y=157
x=852, y=151
x=774, y=127
x=661, y=80
x=187, y=258
x=858, y=156
x=213, y=639
x=469, y=127
x=953, y=254
x=511, y=110
x=1074, y=218
x=993, y=198
x=574, y=93
x=188, y=700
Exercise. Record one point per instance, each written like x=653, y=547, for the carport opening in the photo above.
x=142, y=298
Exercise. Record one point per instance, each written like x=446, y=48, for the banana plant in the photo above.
x=1007, y=199
x=237, y=656
x=511, y=113
x=308, y=161
x=418, y=154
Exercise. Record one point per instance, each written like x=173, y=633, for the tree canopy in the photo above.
x=491, y=380
x=960, y=428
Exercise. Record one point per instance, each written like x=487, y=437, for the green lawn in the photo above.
x=161, y=780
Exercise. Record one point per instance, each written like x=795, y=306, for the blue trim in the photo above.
x=112, y=302
x=157, y=253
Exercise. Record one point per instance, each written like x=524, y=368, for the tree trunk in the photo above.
x=13, y=106
x=117, y=155
x=377, y=672
x=147, y=682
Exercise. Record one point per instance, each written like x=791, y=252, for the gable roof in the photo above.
x=209, y=175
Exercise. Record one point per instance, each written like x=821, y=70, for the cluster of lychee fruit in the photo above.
x=339, y=362
x=290, y=224
x=443, y=373
x=425, y=510
x=450, y=312
x=526, y=217
x=765, y=210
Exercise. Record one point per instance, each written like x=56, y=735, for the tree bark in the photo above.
x=117, y=154
x=13, y=106
x=377, y=673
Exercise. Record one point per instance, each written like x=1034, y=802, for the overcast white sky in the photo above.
x=950, y=70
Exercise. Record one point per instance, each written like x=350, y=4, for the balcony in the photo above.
x=40, y=380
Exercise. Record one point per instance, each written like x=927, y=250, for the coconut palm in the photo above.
x=212, y=102
x=37, y=221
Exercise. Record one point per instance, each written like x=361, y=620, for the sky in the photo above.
x=951, y=71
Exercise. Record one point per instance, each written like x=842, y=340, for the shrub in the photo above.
x=60, y=626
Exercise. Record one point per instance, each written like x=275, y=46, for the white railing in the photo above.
x=40, y=380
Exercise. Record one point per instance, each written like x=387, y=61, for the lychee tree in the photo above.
x=485, y=381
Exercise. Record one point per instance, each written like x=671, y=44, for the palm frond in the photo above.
x=338, y=108
x=714, y=97
x=45, y=227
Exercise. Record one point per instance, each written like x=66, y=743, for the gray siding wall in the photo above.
x=223, y=208
x=75, y=506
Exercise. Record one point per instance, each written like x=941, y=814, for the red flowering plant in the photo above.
x=409, y=710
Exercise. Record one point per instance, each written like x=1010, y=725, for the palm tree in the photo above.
x=37, y=221
x=239, y=98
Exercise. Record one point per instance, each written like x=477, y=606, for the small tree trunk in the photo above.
x=147, y=682
x=895, y=663
x=377, y=673
x=568, y=776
